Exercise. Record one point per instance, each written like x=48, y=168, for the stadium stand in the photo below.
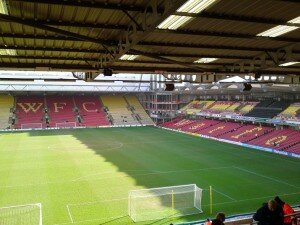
x=30, y=112
x=233, y=107
x=246, y=133
x=61, y=111
x=91, y=111
x=199, y=125
x=6, y=103
x=219, y=107
x=246, y=107
x=138, y=109
x=294, y=149
x=277, y=139
x=196, y=106
x=118, y=110
x=285, y=139
x=220, y=129
x=172, y=122
x=292, y=112
x=268, y=109
x=70, y=111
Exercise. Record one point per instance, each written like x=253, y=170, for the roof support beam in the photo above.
x=77, y=24
x=52, y=29
x=134, y=8
x=237, y=18
x=148, y=21
x=150, y=55
x=53, y=49
x=205, y=46
x=88, y=4
x=143, y=43
x=37, y=57
x=225, y=35
x=135, y=62
x=48, y=24
x=76, y=67
x=131, y=37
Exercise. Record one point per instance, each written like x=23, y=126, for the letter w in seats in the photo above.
x=27, y=107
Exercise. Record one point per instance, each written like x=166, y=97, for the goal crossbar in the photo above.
x=159, y=203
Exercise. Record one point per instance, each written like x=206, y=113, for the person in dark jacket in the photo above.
x=220, y=218
x=287, y=210
x=269, y=214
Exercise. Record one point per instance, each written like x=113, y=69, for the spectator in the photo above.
x=220, y=218
x=208, y=222
x=287, y=209
x=269, y=214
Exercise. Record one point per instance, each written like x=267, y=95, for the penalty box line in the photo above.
x=71, y=216
x=264, y=176
x=250, y=199
x=84, y=221
x=221, y=203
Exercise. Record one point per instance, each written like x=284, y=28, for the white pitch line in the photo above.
x=224, y=194
x=154, y=172
x=70, y=215
x=120, y=176
x=95, y=202
x=221, y=203
x=270, y=178
x=84, y=221
x=111, y=172
x=249, y=199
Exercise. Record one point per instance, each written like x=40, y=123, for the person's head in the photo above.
x=279, y=201
x=220, y=216
x=272, y=205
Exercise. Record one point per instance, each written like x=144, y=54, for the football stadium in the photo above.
x=157, y=112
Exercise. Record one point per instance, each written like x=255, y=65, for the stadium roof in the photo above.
x=195, y=36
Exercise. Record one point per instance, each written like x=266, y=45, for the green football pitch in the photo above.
x=83, y=176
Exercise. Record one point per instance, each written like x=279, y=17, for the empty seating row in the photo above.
x=59, y=111
x=292, y=112
x=38, y=111
x=30, y=112
x=268, y=109
x=264, y=136
x=219, y=107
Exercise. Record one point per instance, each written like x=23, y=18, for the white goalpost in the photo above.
x=31, y=126
x=66, y=125
x=30, y=214
x=163, y=202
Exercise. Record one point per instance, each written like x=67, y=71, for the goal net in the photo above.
x=21, y=215
x=159, y=203
x=66, y=125
x=31, y=126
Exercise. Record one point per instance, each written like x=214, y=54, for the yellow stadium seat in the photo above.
x=6, y=103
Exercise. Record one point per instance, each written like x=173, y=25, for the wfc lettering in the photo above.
x=57, y=107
